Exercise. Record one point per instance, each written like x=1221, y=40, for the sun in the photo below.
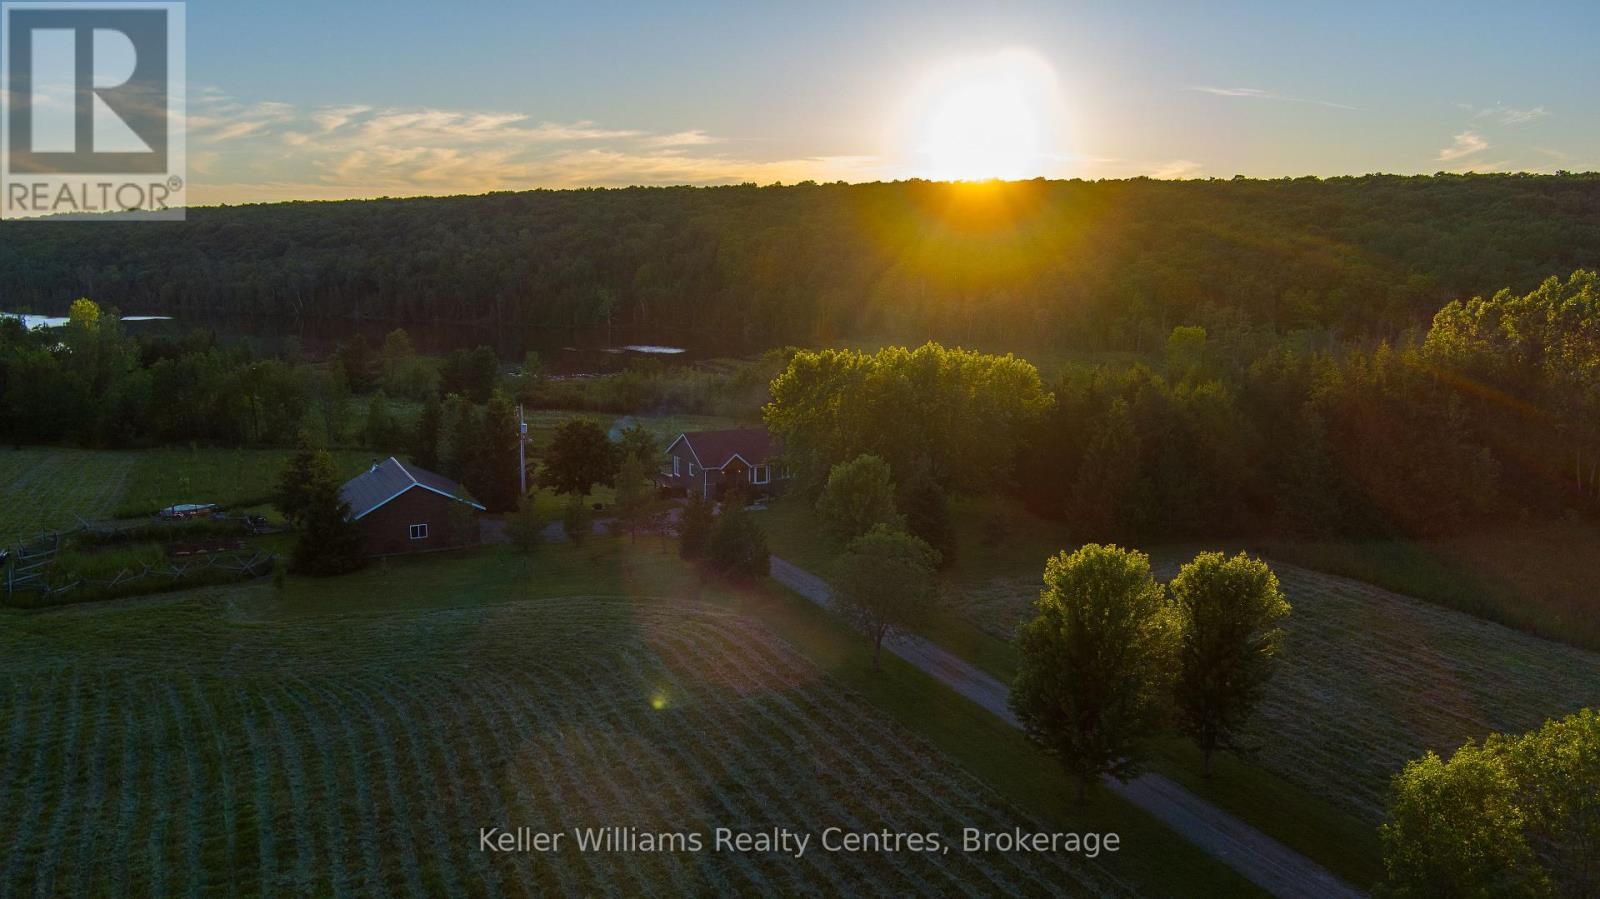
x=986, y=117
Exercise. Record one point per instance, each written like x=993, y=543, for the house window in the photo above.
x=691, y=469
x=419, y=532
x=760, y=474
x=676, y=463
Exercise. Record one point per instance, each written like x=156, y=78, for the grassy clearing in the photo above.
x=350, y=737
x=44, y=488
x=233, y=478
x=991, y=589
x=1538, y=578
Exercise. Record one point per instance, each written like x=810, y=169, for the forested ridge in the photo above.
x=1108, y=264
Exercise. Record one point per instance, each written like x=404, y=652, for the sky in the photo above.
x=351, y=98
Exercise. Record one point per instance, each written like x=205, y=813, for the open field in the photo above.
x=43, y=488
x=1369, y=680
x=324, y=741
x=233, y=478
x=1540, y=578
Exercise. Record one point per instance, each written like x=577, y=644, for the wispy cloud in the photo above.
x=1505, y=115
x=1465, y=144
x=272, y=151
x=1177, y=169
x=1256, y=93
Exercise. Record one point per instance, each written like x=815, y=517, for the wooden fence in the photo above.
x=32, y=566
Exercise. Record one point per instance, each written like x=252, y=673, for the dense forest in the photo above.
x=1099, y=265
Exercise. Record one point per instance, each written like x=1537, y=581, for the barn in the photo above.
x=403, y=509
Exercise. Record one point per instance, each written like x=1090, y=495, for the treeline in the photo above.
x=1495, y=411
x=92, y=384
x=1110, y=264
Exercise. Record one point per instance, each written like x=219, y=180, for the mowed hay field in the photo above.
x=1370, y=679
x=46, y=487
x=350, y=737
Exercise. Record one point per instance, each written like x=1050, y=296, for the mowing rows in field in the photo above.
x=1370, y=679
x=360, y=754
x=45, y=488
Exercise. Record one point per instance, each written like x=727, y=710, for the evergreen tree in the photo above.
x=738, y=546
x=694, y=527
x=633, y=494
x=927, y=514
x=525, y=526
x=459, y=434
x=492, y=467
x=329, y=542
x=380, y=425
x=292, y=495
x=1111, y=498
x=576, y=520
x=425, y=436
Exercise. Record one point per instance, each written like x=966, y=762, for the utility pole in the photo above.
x=522, y=444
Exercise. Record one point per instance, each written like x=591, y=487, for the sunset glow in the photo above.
x=986, y=117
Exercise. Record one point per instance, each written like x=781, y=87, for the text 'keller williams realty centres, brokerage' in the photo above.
x=790, y=842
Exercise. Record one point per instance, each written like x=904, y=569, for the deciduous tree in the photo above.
x=859, y=494
x=1227, y=613
x=886, y=583
x=1094, y=662
x=580, y=457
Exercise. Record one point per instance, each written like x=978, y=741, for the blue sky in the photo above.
x=356, y=98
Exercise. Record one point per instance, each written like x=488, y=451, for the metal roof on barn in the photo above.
x=384, y=481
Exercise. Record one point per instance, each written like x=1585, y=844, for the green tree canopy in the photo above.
x=885, y=583
x=964, y=412
x=580, y=457
x=1227, y=613
x=858, y=495
x=1094, y=662
x=1515, y=816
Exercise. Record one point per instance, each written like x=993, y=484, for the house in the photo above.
x=403, y=508
x=708, y=462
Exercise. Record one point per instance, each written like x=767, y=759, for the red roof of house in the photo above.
x=714, y=449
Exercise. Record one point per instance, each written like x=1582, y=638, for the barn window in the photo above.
x=676, y=465
x=419, y=532
x=760, y=474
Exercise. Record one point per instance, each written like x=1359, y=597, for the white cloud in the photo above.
x=1465, y=144
x=271, y=151
x=1256, y=93
x=1177, y=169
x=1506, y=115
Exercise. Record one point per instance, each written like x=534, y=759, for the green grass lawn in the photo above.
x=232, y=478
x=1536, y=577
x=45, y=488
x=352, y=735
